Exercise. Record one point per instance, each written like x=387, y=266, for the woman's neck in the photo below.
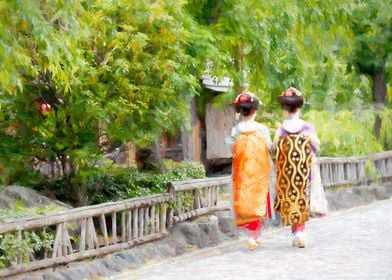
x=249, y=118
x=293, y=116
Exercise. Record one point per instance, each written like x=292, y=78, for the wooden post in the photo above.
x=361, y=170
x=129, y=225
x=67, y=247
x=146, y=220
x=135, y=223
x=163, y=218
x=114, y=228
x=158, y=215
x=153, y=229
x=382, y=166
x=82, y=244
x=197, y=198
x=123, y=226
x=20, y=257
x=141, y=222
x=91, y=234
x=57, y=247
x=104, y=231
x=46, y=249
x=331, y=173
x=389, y=165
x=209, y=196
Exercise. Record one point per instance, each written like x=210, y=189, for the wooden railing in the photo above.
x=96, y=230
x=352, y=170
x=197, y=197
x=90, y=231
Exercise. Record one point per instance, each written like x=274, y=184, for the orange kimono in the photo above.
x=251, y=171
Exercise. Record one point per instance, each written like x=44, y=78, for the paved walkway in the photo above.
x=348, y=244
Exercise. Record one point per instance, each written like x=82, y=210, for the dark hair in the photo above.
x=291, y=103
x=246, y=104
x=247, y=108
x=291, y=99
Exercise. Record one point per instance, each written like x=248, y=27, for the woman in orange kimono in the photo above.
x=251, y=168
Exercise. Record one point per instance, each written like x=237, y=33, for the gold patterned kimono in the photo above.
x=293, y=164
x=251, y=171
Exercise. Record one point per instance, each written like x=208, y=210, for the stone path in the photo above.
x=347, y=244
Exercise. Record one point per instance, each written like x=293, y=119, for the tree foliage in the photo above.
x=77, y=75
x=107, y=70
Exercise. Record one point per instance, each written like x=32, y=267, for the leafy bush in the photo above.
x=372, y=172
x=13, y=246
x=345, y=133
x=20, y=210
x=386, y=128
x=184, y=170
x=123, y=183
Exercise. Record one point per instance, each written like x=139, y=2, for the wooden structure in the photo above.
x=132, y=222
x=343, y=171
x=96, y=230
x=196, y=197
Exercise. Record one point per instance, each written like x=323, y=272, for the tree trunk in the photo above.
x=191, y=140
x=379, y=95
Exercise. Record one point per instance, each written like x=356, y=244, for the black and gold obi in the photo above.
x=293, y=163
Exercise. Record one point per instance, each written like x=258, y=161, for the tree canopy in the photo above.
x=76, y=75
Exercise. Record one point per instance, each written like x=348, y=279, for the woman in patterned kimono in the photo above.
x=251, y=168
x=295, y=142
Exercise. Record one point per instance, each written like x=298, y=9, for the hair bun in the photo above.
x=291, y=91
x=245, y=97
x=291, y=99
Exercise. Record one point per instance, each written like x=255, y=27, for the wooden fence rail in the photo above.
x=96, y=230
x=352, y=170
x=196, y=197
x=90, y=231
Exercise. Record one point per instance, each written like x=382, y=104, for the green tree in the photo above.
x=270, y=45
x=371, y=23
x=114, y=69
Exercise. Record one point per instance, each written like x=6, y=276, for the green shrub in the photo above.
x=386, y=128
x=20, y=210
x=14, y=246
x=345, y=133
x=372, y=172
x=123, y=183
x=184, y=170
